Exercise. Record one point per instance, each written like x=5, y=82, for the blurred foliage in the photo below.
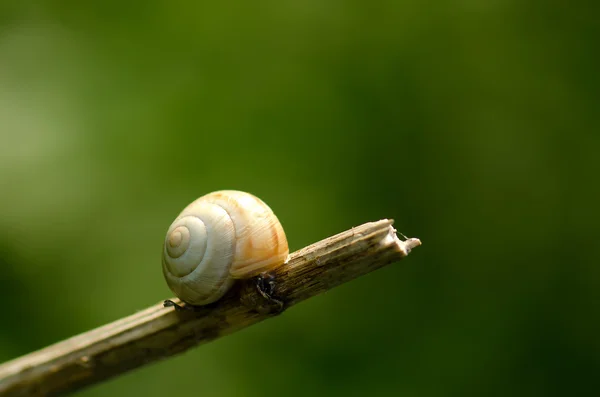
x=474, y=124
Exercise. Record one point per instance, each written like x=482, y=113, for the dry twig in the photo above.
x=160, y=332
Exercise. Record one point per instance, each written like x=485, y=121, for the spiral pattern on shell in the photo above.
x=218, y=238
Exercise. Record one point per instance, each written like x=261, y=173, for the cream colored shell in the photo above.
x=220, y=237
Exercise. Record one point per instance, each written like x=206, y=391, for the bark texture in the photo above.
x=160, y=332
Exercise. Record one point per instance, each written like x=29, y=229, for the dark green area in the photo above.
x=474, y=124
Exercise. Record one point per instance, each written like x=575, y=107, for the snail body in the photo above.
x=218, y=238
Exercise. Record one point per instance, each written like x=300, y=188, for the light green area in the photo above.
x=474, y=124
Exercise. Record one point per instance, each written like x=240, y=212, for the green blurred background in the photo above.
x=474, y=124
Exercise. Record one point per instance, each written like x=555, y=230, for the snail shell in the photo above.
x=220, y=237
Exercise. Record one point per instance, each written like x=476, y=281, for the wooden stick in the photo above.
x=160, y=332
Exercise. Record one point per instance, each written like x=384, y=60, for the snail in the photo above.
x=217, y=239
